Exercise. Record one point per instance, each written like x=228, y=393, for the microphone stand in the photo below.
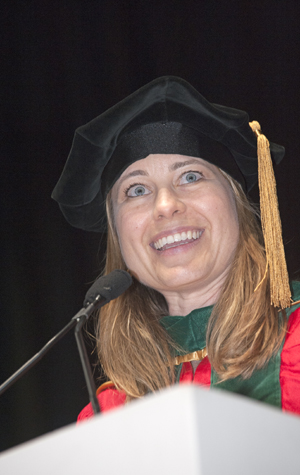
x=86, y=365
x=77, y=321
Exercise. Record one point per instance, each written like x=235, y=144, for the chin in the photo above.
x=182, y=283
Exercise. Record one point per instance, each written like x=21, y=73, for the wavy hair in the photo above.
x=243, y=333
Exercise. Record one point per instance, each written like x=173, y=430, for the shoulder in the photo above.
x=295, y=289
x=290, y=361
x=292, y=339
x=293, y=314
x=108, y=397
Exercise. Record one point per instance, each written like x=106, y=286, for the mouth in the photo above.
x=175, y=240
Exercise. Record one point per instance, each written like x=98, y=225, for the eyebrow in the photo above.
x=131, y=174
x=172, y=168
x=177, y=165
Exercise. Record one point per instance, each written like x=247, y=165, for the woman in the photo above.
x=209, y=304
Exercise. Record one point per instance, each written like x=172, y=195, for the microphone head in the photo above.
x=109, y=286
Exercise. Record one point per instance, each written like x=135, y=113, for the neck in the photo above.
x=183, y=302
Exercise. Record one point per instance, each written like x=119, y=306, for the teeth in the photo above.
x=177, y=238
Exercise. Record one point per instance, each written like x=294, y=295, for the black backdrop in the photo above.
x=64, y=63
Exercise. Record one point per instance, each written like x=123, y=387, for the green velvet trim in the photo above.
x=178, y=372
x=190, y=334
x=295, y=289
x=264, y=384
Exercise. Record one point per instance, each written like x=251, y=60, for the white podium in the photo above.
x=182, y=430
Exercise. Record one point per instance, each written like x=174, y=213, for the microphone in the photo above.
x=105, y=289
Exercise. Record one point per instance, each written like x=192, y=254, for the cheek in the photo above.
x=125, y=234
x=129, y=228
x=229, y=227
x=221, y=211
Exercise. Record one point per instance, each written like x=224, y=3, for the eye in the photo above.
x=190, y=177
x=136, y=190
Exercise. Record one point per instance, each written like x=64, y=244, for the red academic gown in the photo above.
x=286, y=376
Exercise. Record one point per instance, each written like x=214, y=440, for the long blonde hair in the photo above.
x=243, y=333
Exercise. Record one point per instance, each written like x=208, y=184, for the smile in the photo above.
x=177, y=239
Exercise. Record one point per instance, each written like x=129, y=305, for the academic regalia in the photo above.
x=277, y=384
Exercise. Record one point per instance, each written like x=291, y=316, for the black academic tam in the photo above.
x=167, y=116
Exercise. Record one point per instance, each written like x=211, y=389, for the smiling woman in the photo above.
x=178, y=234
x=210, y=303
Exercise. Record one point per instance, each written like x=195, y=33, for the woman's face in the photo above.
x=176, y=222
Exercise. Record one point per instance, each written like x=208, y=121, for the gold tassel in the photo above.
x=271, y=224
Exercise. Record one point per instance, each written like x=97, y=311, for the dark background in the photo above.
x=65, y=62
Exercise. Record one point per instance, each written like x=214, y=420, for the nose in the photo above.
x=167, y=204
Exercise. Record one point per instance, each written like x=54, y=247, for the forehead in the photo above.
x=163, y=162
x=161, y=167
x=173, y=161
x=158, y=165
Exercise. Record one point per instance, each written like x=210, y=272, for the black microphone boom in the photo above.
x=109, y=286
x=105, y=289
